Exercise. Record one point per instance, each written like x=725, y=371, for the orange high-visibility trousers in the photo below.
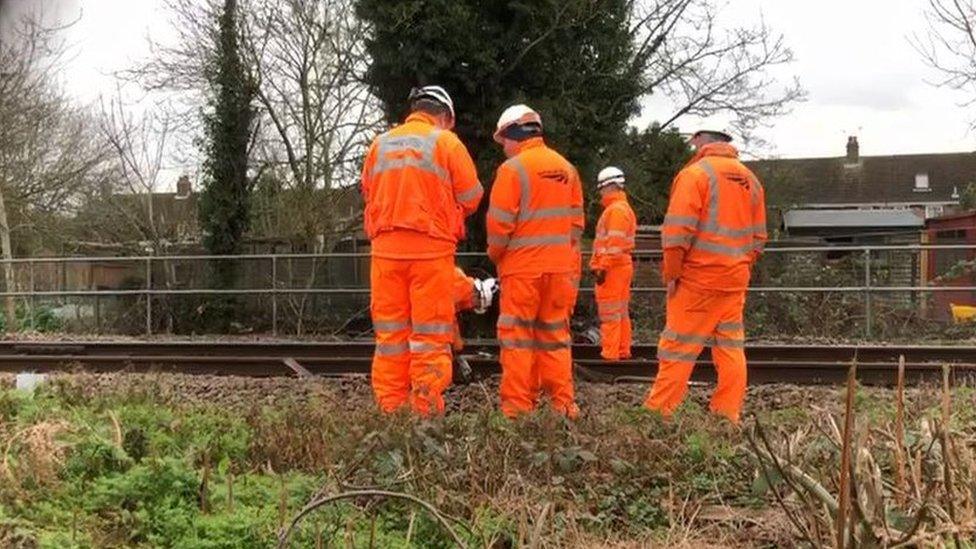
x=696, y=318
x=414, y=324
x=533, y=332
x=613, y=308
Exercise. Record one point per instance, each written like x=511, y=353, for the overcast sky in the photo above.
x=853, y=57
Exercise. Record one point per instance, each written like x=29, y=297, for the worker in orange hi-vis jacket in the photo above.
x=419, y=183
x=611, y=264
x=714, y=231
x=535, y=222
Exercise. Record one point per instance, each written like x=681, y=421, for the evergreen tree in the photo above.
x=571, y=60
x=650, y=159
x=225, y=199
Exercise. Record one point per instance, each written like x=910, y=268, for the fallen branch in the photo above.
x=320, y=502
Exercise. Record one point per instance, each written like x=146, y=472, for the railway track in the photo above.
x=802, y=364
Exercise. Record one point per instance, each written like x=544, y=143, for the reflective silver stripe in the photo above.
x=391, y=349
x=552, y=345
x=540, y=240
x=433, y=328
x=695, y=339
x=621, y=234
x=672, y=220
x=691, y=339
x=413, y=143
x=524, y=186
x=534, y=345
x=731, y=233
x=610, y=250
x=728, y=343
x=711, y=220
x=510, y=321
x=722, y=249
x=470, y=194
x=676, y=240
x=612, y=317
x=516, y=343
x=390, y=325
x=409, y=162
x=494, y=240
x=756, y=187
x=501, y=215
x=664, y=354
x=730, y=326
x=576, y=233
x=424, y=347
x=549, y=213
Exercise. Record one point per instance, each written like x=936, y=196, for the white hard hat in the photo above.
x=436, y=93
x=610, y=176
x=718, y=135
x=516, y=114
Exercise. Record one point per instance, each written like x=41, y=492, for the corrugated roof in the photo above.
x=867, y=219
x=871, y=180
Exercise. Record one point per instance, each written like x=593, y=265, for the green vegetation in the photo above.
x=167, y=461
x=574, y=61
x=228, y=123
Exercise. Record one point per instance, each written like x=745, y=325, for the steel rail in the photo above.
x=802, y=364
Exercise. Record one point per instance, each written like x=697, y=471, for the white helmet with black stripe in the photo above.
x=435, y=93
x=610, y=175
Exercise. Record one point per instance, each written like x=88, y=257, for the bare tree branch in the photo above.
x=683, y=53
x=948, y=45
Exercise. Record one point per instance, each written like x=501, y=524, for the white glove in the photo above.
x=485, y=291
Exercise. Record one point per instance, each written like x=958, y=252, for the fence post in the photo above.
x=148, y=296
x=274, y=295
x=867, y=293
x=33, y=304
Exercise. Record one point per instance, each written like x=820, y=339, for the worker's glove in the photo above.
x=600, y=276
x=485, y=291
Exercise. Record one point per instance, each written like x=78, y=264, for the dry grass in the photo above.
x=34, y=454
x=615, y=478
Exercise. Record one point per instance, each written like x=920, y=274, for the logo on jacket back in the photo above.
x=738, y=178
x=559, y=176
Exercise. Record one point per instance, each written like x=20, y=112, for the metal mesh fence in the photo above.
x=882, y=292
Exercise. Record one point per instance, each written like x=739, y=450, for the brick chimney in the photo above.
x=853, y=150
x=183, y=187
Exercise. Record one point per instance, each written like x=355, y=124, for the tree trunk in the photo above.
x=9, y=309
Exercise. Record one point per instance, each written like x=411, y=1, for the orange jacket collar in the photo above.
x=421, y=117
x=610, y=198
x=530, y=143
x=715, y=149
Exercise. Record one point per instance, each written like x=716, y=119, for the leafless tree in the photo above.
x=705, y=68
x=316, y=115
x=139, y=146
x=948, y=45
x=48, y=157
x=309, y=59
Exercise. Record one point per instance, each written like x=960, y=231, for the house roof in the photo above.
x=872, y=179
x=851, y=219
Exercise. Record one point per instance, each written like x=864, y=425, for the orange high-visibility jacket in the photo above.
x=536, y=216
x=418, y=183
x=716, y=220
x=615, y=233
